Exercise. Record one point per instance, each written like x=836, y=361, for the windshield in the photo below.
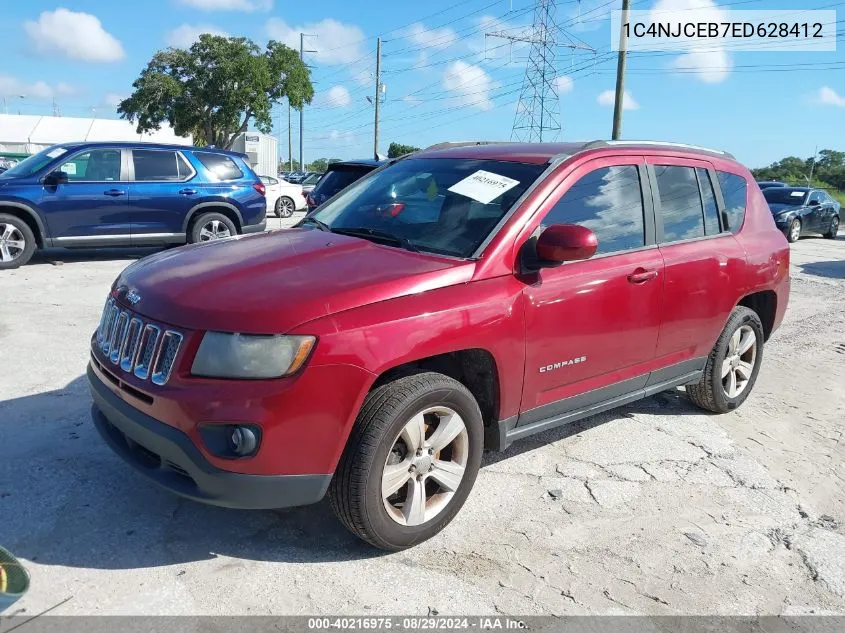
x=785, y=195
x=34, y=163
x=446, y=205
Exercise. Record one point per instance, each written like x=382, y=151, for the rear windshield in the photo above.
x=337, y=179
x=785, y=195
x=440, y=205
x=221, y=166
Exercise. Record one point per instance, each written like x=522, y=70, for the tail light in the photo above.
x=259, y=187
x=310, y=201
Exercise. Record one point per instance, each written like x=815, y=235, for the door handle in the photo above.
x=187, y=192
x=641, y=275
x=114, y=192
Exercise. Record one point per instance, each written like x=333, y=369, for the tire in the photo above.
x=285, y=207
x=211, y=226
x=833, y=229
x=17, y=242
x=377, y=442
x=793, y=232
x=711, y=392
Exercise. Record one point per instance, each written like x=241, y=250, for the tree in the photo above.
x=397, y=149
x=216, y=87
x=318, y=165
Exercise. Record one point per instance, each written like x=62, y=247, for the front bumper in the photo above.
x=255, y=228
x=169, y=457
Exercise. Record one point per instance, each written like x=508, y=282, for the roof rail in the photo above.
x=449, y=144
x=698, y=148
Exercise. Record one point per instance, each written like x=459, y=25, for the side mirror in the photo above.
x=557, y=244
x=55, y=178
x=814, y=203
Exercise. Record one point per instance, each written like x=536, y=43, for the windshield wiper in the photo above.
x=376, y=235
x=320, y=225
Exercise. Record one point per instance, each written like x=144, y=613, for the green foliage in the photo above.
x=397, y=149
x=828, y=172
x=214, y=89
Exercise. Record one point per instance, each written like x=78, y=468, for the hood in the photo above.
x=271, y=282
x=779, y=207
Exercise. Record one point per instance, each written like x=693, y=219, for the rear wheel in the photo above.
x=284, y=207
x=794, y=230
x=410, y=461
x=212, y=226
x=17, y=243
x=833, y=229
x=733, y=364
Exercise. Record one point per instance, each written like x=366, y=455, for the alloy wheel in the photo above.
x=834, y=226
x=214, y=230
x=284, y=207
x=425, y=466
x=739, y=361
x=12, y=242
x=795, y=230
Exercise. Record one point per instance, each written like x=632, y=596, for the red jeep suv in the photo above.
x=453, y=300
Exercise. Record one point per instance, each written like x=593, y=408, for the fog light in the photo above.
x=242, y=441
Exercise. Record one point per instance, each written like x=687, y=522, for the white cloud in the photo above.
x=14, y=87
x=608, y=98
x=828, y=96
x=186, y=34
x=248, y=6
x=73, y=35
x=337, y=97
x=113, y=99
x=335, y=42
x=342, y=137
x=412, y=99
x=433, y=38
x=564, y=84
x=470, y=84
x=706, y=59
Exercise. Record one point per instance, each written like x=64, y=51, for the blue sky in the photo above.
x=444, y=80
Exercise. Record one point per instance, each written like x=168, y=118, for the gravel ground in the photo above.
x=654, y=508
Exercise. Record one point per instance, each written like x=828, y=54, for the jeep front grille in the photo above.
x=137, y=347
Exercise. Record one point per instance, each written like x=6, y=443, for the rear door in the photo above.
x=703, y=261
x=162, y=193
x=93, y=206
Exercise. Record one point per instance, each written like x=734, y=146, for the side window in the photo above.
x=157, y=166
x=680, y=203
x=98, y=165
x=816, y=196
x=711, y=211
x=221, y=166
x=273, y=181
x=608, y=201
x=734, y=191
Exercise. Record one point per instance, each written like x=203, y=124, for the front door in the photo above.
x=591, y=326
x=92, y=207
x=162, y=194
x=817, y=212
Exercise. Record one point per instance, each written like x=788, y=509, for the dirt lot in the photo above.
x=654, y=508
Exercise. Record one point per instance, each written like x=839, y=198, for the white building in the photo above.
x=262, y=152
x=29, y=134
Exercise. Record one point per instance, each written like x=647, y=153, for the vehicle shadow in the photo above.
x=835, y=269
x=58, y=256
x=66, y=499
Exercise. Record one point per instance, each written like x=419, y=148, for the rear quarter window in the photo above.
x=221, y=166
x=735, y=193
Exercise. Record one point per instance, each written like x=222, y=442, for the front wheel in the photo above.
x=794, y=231
x=17, y=243
x=833, y=229
x=733, y=364
x=410, y=462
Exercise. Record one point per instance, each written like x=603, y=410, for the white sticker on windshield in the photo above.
x=483, y=186
x=797, y=194
x=55, y=153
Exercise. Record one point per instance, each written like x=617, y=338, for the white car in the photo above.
x=283, y=198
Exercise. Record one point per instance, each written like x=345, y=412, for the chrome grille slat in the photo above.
x=137, y=347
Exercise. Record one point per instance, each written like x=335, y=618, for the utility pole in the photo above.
x=290, y=142
x=302, y=52
x=620, y=73
x=378, y=92
x=813, y=166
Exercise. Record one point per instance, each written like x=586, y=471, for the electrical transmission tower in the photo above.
x=538, y=111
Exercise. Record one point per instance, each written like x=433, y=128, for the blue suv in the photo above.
x=125, y=194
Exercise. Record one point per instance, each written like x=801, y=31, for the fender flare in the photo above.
x=30, y=212
x=197, y=208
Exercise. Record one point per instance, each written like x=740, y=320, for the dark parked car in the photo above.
x=768, y=184
x=372, y=356
x=801, y=210
x=338, y=176
x=124, y=194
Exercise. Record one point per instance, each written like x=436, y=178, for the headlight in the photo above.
x=222, y=355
